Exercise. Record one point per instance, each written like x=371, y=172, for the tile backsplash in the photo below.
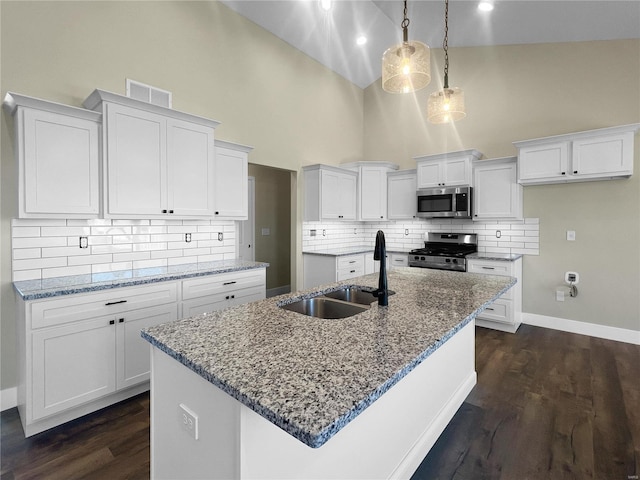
x=521, y=237
x=52, y=248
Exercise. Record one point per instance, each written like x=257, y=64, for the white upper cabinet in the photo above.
x=158, y=162
x=496, y=192
x=600, y=154
x=401, y=195
x=447, y=169
x=371, y=188
x=329, y=193
x=231, y=180
x=57, y=148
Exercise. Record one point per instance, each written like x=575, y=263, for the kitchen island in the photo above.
x=257, y=391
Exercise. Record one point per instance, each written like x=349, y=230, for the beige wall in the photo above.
x=216, y=63
x=524, y=92
x=273, y=211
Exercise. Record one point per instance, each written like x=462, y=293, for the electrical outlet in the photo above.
x=188, y=420
x=312, y=233
x=571, y=235
x=406, y=231
x=220, y=236
x=84, y=242
x=572, y=277
x=498, y=233
x=187, y=237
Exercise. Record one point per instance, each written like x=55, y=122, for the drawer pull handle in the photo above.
x=229, y=297
x=352, y=261
x=228, y=283
x=489, y=268
x=115, y=303
x=352, y=271
x=121, y=320
x=489, y=308
x=112, y=322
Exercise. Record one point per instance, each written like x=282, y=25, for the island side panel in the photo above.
x=387, y=440
x=174, y=452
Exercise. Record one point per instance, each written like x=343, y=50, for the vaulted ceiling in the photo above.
x=330, y=36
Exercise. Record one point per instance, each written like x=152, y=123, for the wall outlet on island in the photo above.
x=189, y=420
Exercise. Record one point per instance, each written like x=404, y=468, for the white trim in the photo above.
x=9, y=398
x=273, y=292
x=583, y=328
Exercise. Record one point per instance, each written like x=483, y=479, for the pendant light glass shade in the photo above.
x=406, y=67
x=446, y=106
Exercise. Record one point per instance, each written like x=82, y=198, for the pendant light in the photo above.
x=446, y=105
x=405, y=67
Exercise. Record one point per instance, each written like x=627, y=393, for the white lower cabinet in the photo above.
x=211, y=293
x=321, y=269
x=506, y=312
x=79, y=353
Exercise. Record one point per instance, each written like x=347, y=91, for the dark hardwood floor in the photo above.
x=548, y=405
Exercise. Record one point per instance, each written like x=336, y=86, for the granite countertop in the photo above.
x=57, y=286
x=310, y=376
x=342, y=251
x=508, y=257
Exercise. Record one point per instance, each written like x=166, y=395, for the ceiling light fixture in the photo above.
x=405, y=67
x=361, y=40
x=325, y=5
x=485, y=5
x=446, y=105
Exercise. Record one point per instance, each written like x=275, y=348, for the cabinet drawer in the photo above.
x=397, y=260
x=499, y=311
x=350, y=272
x=490, y=268
x=46, y=313
x=219, y=284
x=211, y=303
x=350, y=262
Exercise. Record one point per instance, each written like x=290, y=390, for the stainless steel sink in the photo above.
x=355, y=295
x=323, y=307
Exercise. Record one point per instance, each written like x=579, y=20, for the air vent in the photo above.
x=147, y=93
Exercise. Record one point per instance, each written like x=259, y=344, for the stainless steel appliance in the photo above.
x=445, y=251
x=444, y=202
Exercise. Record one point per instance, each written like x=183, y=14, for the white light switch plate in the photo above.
x=189, y=420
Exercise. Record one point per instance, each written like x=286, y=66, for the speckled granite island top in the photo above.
x=54, y=287
x=311, y=376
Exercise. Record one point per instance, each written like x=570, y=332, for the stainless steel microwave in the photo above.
x=444, y=202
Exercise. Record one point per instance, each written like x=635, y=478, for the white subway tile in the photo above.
x=131, y=222
x=120, y=248
x=21, y=232
x=64, y=231
x=38, y=222
x=64, y=251
x=111, y=230
x=146, y=247
x=19, y=275
x=149, y=263
x=165, y=254
x=110, y=267
x=148, y=229
x=129, y=257
x=24, y=253
x=39, y=242
x=65, y=271
x=181, y=260
x=89, y=259
x=35, y=263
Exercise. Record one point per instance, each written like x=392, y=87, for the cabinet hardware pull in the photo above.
x=164, y=211
x=489, y=268
x=227, y=297
x=217, y=213
x=115, y=303
x=229, y=283
x=352, y=271
x=233, y=296
x=170, y=211
x=121, y=320
x=352, y=261
x=489, y=308
x=112, y=322
x=564, y=173
x=575, y=171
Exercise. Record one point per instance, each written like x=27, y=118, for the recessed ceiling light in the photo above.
x=361, y=40
x=485, y=5
x=325, y=5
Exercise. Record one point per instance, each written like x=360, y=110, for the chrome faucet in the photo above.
x=380, y=253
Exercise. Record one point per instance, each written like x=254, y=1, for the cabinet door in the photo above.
x=190, y=163
x=132, y=360
x=429, y=174
x=330, y=194
x=72, y=364
x=402, y=200
x=136, y=161
x=457, y=172
x=373, y=193
x=346, y=197
x=611, y=154
x=231, y=184
x=543, y=161
x=496, y=193
x=59, y=165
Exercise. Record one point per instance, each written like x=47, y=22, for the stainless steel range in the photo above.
x=445, y=251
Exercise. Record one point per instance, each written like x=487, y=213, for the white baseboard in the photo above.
x=273, y=292
x=9, y=398
x=583, y=328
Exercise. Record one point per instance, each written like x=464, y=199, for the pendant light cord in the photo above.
x=445, y=43
x=405, y=24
